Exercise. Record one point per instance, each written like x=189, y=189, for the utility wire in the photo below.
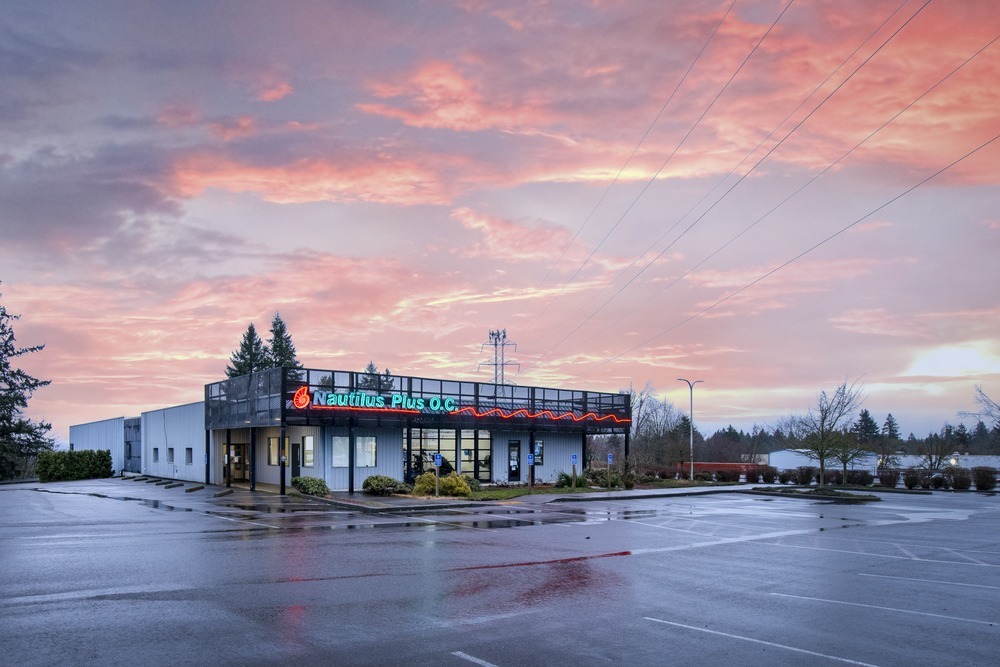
x=804, y=185
x=796, y=257
x=750, y=171
x=674, y=152
x=622, y=170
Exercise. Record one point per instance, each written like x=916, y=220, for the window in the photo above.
x=307, y=451
x=340, y=443
x=538, y=452
x=156, y=454
x=273, y=452
x=170, y=454
x=365, y=448
x=188, y=455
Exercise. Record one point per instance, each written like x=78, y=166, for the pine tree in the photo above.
x=281, y=349
x=21, y=439
x=890, y=429
x=251, y=355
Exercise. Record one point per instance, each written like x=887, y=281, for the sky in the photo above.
x=773, y=197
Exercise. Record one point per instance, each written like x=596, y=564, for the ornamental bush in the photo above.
x=78, y=464
x=311, y=486
x=961, y=478
x=788, y=476
x=859, y=478
x=382, y=485
x=911, y=478
x=565, y=481
x=888, y=478
x=768, y=474
x=805, y=475
x=450, y=485
x=753, y=475
x=985, y=478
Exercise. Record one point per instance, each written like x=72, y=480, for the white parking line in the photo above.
x=901, y=611
x=472, y=659
x=928, y=581
x=761, y=641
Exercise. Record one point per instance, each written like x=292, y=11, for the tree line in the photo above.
x=837, y=431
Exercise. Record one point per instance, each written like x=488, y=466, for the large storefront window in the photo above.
x=365, y=451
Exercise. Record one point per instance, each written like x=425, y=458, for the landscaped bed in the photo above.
x=816, y=493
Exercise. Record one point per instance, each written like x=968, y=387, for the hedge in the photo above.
x=72, y=465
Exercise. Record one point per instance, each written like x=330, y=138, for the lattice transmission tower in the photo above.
x=499, y=342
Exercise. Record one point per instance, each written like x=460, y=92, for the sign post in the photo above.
x=611, y=459
x=574, y=471
x=437, y=475
x=531, y=471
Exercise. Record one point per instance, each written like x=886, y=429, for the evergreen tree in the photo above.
x=280, y=348
x=370, y=379
x=890, y=429
x=251, y=355
x=21, y=439
x=865, y=430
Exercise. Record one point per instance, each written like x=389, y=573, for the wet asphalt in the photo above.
x=115, y=572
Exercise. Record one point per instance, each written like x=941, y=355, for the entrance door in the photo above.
x=514, y=461
x=296, y=459
x=240, y=462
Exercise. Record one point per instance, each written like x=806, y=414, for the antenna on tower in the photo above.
x=499, y=342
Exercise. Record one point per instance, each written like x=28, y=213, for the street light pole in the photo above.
x=691, y=419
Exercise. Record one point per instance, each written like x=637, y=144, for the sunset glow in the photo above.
x=636, y=191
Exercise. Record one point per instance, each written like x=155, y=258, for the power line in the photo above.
x=626, y=163
x=750, y=171
x=788, y=198
x=796, y=257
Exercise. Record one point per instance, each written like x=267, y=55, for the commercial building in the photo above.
x=343, y=426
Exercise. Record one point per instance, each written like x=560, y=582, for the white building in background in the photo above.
x=793, y=458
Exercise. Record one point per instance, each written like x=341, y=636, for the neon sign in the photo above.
x=360, y=400
x=321, y=399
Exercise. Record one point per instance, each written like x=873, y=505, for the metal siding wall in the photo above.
x=388, y=458
x=557, y=452
x=104, y=434
x=179, y=427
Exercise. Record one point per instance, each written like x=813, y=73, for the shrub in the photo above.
x=805, y=475
x=768, y=474
x=311, y=486
x=565, y=481
x=381, y=485
x=753, y=475
x=833, y=477
x=859, y=478
x=703, y=476
x=961, y=479
x=912, y=478
x=474, y=484
x=889, y=478
x=449, y=485
x=789, y=475
x=79, y=464
x=939, y=481
x=985, y=478
x=926, y=479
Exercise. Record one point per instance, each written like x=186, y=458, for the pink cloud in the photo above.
x=360, y=177
x=233, y=128
x=503, y=239
x=274, y=91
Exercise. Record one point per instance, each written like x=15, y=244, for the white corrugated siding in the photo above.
x=104, y=434
x=178, y=428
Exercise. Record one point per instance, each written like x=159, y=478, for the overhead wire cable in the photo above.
x=797, y=257
x=650, y=263
x=803, y=186
x=626, y=163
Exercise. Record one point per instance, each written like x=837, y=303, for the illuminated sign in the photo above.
x=360, y=400
x=320, y=399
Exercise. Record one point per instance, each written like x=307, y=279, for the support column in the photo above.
x=281, y=460
x=208, y=452
x=626, y=448
x=351, y=462
x=253, y=459
x=229, y=458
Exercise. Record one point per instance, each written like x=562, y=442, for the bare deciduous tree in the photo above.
x=822, y=429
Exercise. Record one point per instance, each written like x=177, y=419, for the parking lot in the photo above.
x=112, y=571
